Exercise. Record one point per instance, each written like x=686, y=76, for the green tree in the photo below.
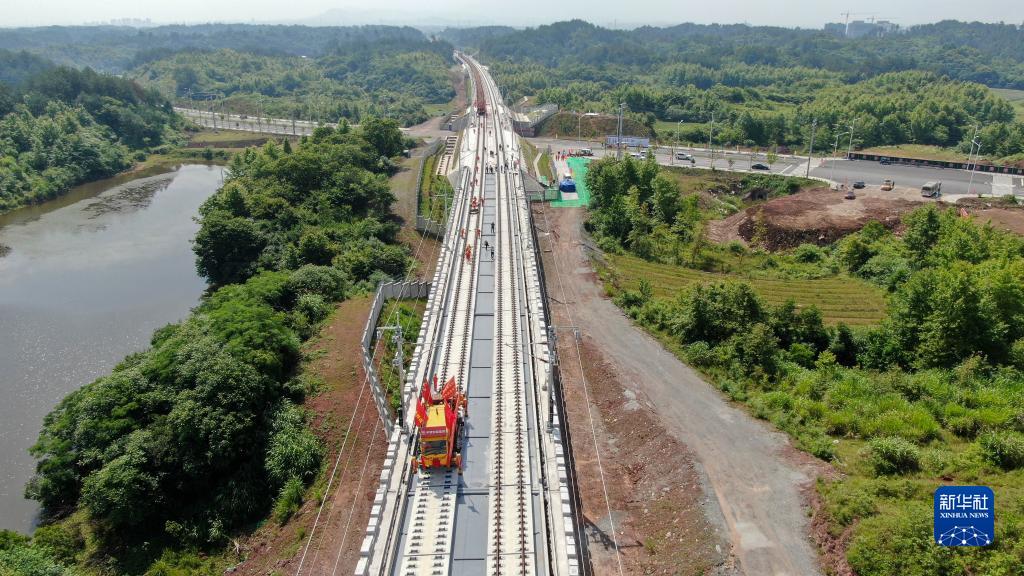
x=383, y=134
x=961, y=321
x=315, y=247
x=666, y=199
x=123, y=492
x=922, y=232
x=757, y=349
x=293, y=451
x=714, y=312
x=227, y=247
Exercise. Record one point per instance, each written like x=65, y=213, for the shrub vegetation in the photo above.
x=933, y=393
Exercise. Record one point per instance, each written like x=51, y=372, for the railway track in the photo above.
x=506, y=512
x=433, y=507
x=510, y=548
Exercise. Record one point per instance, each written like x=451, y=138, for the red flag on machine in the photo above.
x=421, y=413
x=426, y=394
x=449, y=390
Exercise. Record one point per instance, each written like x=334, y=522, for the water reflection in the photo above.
x=85, y=281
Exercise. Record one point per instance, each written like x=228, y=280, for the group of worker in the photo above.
x=469, y=247
x=487, y=247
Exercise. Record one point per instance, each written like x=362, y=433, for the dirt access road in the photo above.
x=750, y=470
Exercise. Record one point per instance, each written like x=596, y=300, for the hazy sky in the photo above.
x=803, y=13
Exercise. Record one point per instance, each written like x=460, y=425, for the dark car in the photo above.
x=759, y=167
x=884, y=161
x=858, y=184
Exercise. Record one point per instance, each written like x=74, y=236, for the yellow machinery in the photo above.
x=440, y=427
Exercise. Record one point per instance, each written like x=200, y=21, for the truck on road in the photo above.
x=931, y=189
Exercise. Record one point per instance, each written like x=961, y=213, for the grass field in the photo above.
x=840, y=298
x=435, y=191
x=922, y=151
x=1016, y=97
x=529, y=153
x=545, y=167
x=229, y=138
x=437, y=109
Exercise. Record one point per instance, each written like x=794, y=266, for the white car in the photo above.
x=637, y=155
x=683, y=156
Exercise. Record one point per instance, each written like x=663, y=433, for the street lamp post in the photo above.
x=974, y=165
x=711, y=130
x=849, y=151
x=676, y=142
x=618, y=142
x=974, y=168
x=814, y=128
x=579, y=130
x=835, y=150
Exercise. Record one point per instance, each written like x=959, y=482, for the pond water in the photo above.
x=84, y=281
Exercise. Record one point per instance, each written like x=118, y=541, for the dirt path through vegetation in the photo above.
x=752, y=472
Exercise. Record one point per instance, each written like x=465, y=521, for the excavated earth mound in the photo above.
x=817, y=216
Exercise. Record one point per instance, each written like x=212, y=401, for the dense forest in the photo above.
x=302, y=72
x=392, y=78
x=991, y=54
x=932, y=394
x=60, y=126
x=117, y=49
x=765, y=85
x=187, y=442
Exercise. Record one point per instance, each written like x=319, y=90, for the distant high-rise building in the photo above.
x=836, y=28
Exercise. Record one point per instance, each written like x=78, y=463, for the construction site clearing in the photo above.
x=822, y=216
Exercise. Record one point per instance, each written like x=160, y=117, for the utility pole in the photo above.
x=835, y=150
x=849, y=151
x=676, y=143
x=579, y=130
x=399, y=360
x=618, y=142
x=711, y=131
x=259, y=123
x=814, y=128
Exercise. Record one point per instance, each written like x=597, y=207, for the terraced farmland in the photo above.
x=840, y=298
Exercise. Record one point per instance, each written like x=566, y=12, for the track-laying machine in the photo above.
x=439, y=423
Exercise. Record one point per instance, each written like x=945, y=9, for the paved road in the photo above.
x=954, y=182
x=791, y=165
x=754, y=473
